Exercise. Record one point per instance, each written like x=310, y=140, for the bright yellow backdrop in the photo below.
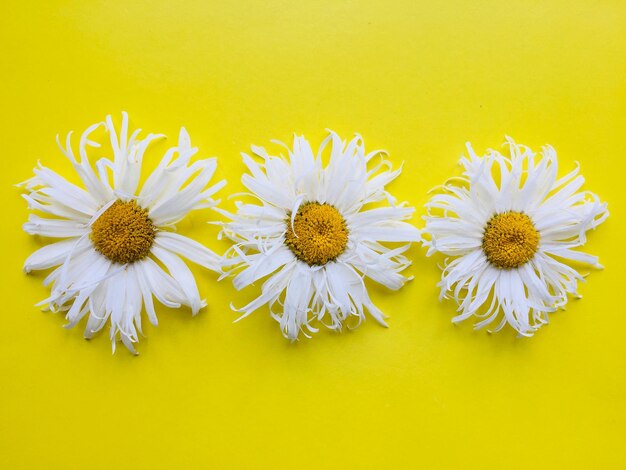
x=416, y=78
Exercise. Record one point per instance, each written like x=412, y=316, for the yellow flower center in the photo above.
x=318, y=234
x=123, y=233
x=510, y=240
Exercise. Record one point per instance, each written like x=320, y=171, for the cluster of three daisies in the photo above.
x=314, y=231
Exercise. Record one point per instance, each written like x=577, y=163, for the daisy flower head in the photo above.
x=311, y=233
x=118, y=249
x=511, y=228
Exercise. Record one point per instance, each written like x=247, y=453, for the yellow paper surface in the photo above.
x=416, y=78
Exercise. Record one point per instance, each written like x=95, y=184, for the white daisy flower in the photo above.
x=311, y=235
x=511, y=226
x=115, y=233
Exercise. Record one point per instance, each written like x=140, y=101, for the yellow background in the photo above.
x=416, y=78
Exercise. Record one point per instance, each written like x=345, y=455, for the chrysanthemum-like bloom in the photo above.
x=510, y=226
x=114, y=233
x=311, y=234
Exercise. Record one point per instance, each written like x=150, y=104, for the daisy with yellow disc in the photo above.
x=310, y=233
x=112, y=232
x=511, y=227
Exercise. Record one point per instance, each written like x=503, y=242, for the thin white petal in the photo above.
x=189, y=249
x=182, y=274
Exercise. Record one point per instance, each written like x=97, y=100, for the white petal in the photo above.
x=189, y=249
x=574, y=256
x=142, y=279
x=49, y=183
x=262, y=264
x=98, y=312
x=271, y=290
x=51, y=255
x=380, y=263
x=164, y=287
x=296, y=306
x=55, y=228
x=182, y=274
